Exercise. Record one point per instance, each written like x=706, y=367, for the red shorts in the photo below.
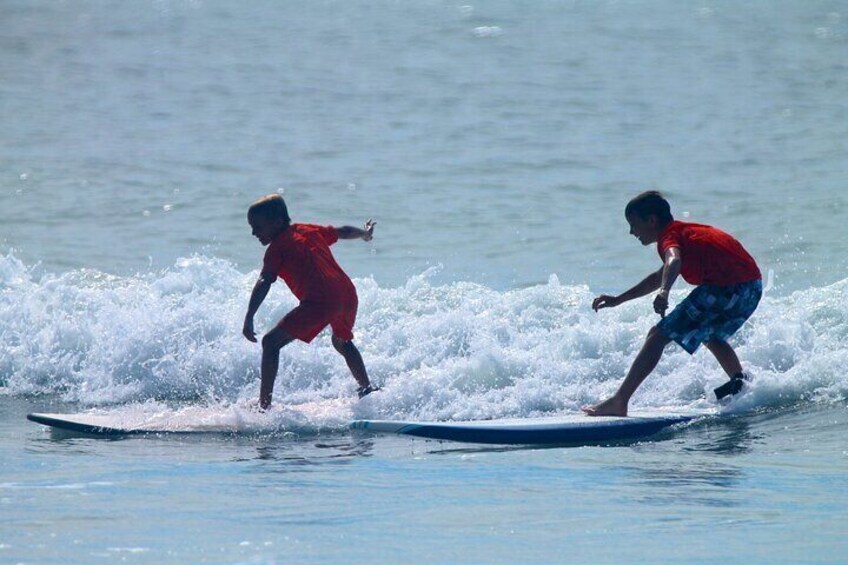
x=309, y=318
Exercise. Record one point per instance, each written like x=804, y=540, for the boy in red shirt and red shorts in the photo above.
x=300, y=255
x=729, y=290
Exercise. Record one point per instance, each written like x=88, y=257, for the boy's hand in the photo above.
x=661, y=303
x=605, y=301
x=247, y=330
x=369, y=230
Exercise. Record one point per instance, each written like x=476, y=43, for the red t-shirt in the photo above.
x=709, y=255
x=301, y=256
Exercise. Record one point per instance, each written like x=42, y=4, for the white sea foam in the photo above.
x=453, y=351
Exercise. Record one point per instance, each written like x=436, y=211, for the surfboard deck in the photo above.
x=309, y=418
x=572, y=429
x=90, y=426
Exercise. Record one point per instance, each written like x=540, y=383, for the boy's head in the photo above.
x=268, y=216
x=648, y=214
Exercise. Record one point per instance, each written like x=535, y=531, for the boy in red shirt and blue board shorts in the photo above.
x=300, y=255
x=729, y=288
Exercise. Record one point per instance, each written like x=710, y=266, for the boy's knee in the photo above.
x=341, y=345
x=655, y=335
x=275, y=339
x=719, y=347
x=268, y=341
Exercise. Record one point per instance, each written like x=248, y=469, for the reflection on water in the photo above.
x=448, y=448
x=296, y=455
x=687, y=470
x=725, y=436
x=700, y=482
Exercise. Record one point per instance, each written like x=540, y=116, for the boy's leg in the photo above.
x=730, y=363
x=726, y=356
x=644, y=363
x=353, y=359
x=271, y=345
x=742, y=300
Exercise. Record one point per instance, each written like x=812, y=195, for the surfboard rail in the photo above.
x=58, y=421
x=86, y=424
x=541, y=431
x=569, y=429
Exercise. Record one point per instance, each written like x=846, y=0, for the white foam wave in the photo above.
x=455, y=351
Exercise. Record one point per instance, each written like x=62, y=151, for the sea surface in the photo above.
x=496, y=145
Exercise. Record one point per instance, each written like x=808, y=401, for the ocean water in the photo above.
x=495, y=144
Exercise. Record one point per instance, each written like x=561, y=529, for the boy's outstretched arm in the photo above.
x=648, y=285
x=350, y=232
x=260, y=291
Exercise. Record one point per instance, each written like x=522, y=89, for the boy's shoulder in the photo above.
x=682, y=225
x=681, y=228
x=685, y=234
x=326, y=234
x=680, y=234
x=307, y=227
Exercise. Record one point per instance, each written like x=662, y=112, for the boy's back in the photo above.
x=301, y=256
x=710, y=255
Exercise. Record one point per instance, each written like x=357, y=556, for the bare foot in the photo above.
x=610, y=407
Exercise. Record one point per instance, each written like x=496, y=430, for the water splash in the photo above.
x=454, y=351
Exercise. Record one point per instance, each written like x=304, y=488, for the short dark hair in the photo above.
x=271, y=206
x=649, y=203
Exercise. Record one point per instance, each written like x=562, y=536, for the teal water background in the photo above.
x=496, y=145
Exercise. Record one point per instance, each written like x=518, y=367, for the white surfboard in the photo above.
x=571, y=429
x=310, y=417
x=96, y=424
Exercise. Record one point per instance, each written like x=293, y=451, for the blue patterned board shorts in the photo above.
x=711, y=312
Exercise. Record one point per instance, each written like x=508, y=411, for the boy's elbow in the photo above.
x=265, y=280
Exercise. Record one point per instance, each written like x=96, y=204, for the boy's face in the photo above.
x=265, y=229
x=644, y=229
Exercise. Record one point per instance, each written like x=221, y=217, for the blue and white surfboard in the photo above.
x=562, y=430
